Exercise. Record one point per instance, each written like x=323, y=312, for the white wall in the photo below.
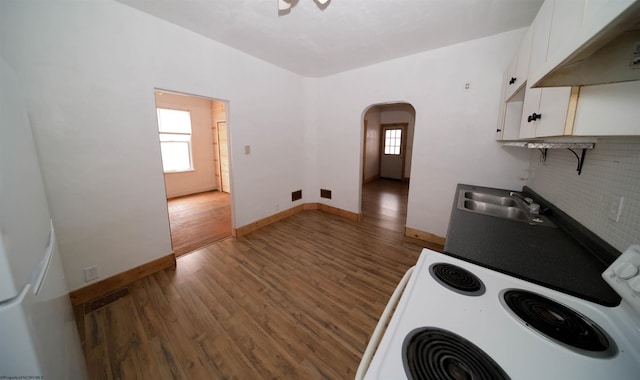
x=454, y=139
x=89, y=69
x=202, y=177
x=611, y=169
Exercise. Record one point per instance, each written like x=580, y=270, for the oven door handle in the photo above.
x=380, y=327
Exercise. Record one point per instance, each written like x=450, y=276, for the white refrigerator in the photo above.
x=38, y=336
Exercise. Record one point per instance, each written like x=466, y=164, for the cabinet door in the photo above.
x=540, y=38
x=513, y=89
x=524, y=54
x=550, y=107
x=566, y=19
x=519, y=66
x=566, y=22
x=545, y=109
x=508, y=83
x=554, y=103
x=531, y=105
x=539, y=43
x=500, y=125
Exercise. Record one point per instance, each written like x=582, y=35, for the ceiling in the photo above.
x=314, y=40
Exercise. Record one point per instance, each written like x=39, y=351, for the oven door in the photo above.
x=378, y=333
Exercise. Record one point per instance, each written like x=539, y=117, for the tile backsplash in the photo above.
x=611, y=170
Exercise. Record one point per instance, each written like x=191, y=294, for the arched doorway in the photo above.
x=386, y=164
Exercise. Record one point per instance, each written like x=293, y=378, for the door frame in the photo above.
x=364, y=151
x=222, y=187
x=227, y=105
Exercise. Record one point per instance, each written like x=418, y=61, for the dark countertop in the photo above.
x=543, y=255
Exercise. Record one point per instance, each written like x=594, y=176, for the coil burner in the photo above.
x=457, y=279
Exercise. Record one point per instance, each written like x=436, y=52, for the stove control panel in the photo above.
x=624, y=276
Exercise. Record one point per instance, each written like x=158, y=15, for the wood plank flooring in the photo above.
x=198, y=220
x=384, y=203
x=297, y=299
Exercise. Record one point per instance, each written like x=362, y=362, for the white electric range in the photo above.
x=458, y=320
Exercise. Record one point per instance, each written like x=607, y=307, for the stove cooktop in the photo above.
x=505, y=341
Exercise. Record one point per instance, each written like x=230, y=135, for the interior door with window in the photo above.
x=392, y=158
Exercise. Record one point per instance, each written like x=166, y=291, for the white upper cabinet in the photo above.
x=567, y=19
x=513, y=91
x=519, y=67
x=597, y=51
x=509, y=81
x=599, y=13
x=610, y=109
x=545, y=109
x=565, y=31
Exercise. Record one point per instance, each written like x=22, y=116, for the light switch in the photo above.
x=247, y=149
x=615, y=208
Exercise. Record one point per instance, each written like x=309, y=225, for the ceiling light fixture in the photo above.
x=285, y=5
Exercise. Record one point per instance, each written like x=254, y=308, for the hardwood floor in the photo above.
x=384, y=203
x=198, y=220
x=297, y=299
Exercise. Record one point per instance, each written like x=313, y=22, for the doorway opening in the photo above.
x=195, y=156
x=386, y=164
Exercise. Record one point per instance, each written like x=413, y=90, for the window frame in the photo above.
x=399, y=141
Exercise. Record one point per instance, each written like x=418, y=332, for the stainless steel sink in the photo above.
x=499, y=206
x=488, y=198
x=507, y=212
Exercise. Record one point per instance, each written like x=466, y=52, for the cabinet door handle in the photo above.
x=533, y=117
x=498, y=130
x=512, y=81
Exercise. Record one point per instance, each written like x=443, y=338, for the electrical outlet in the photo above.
x=90, y=273
x=615, y=208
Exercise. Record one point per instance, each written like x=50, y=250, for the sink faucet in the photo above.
x=526, y=200
x=533, y=208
